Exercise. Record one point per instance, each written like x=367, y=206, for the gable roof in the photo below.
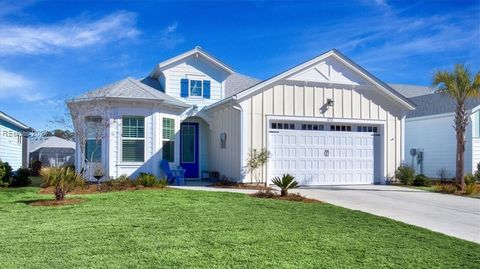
x=438, y=103
x=339, y=56
x=129, y=89
x=236, y=83
x=14, y=122
x=195, y=51
x=410, y=91
x=50, y=142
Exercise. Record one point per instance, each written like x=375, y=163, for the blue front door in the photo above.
x=189, y=149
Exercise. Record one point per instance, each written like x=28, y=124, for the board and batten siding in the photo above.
x=197, y=69
x=10, y=145
x=227, y=161
x=287, y=98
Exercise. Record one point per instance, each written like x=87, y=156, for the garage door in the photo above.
x=322, y=157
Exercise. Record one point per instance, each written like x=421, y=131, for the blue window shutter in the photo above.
x=206, y=89
x=184, y=87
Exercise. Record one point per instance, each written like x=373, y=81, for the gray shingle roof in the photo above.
x=437, y=103
x=410, y=91
x=50, y=142
x=236, y=83
x=130, y=88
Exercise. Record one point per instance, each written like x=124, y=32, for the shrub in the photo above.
x=421, y=180
x=21, y=178
x=121, y=183
x=471, y=188
x=7, y=174
x=255, y=161
x=446, y=188
x=470, y=179
x=63, y=178
x=285, y=183
x=477, y=173
x=2, y=173
x=405, y=174
x=149, y=180
x=35, y=167
x=265, y=194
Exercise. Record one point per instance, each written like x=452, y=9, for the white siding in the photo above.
x=226, y=160
x=436, y=136
x=299, y=100
x=194, y=68
x=10, y=145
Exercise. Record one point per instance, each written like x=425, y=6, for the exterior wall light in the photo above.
x=329, y=102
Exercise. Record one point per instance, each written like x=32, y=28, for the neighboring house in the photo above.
x=13, y=141
x=326, y=121
x=430, y=130
x=52, y=151
x=410, y=91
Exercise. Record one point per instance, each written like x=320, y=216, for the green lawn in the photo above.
x=188, y=229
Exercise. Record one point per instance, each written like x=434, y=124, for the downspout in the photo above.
x=242, y=151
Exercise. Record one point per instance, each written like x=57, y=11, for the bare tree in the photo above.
x=90, y=120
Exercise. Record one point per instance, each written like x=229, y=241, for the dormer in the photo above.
x=195, y=77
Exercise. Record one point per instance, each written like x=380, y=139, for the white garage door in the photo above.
x=322, y=157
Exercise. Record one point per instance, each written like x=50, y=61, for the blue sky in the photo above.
x=50, y=51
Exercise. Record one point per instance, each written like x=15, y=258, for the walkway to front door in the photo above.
x=189, y=149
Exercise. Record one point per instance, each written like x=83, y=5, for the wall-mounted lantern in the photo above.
x=329, y=102
x=223, y=140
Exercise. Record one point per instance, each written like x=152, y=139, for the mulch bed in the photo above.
x=72, y=201
x=235, y=185
x=92, y=188
x=295, y=197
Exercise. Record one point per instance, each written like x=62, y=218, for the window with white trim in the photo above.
x=93, y=147
x=133, y=139
x=196, y=88
x=168, y=139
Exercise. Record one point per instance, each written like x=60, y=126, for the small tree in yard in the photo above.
x=285, y=183
x=64, y=179
x=460, y=85
x=255, y=162
x=90, y=123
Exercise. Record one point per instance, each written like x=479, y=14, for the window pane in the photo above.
x=188, y=144
x=168, y=150
x=168, y=128
x=93, y=148
x=133, y=150
x=274, y=125
x=195, y=87
x=133, y=127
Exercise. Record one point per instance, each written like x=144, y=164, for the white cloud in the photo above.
x=14, y=85
x=21, y=39
x=169, y=37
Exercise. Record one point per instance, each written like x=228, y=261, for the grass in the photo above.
x=190, y=229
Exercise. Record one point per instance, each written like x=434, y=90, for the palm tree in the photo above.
x=460, y=85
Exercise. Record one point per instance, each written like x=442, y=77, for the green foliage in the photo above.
x=123, y=182
x=2, y=173
x=255, y=161
x=21, y=178
x=470, y=179
x=477, y=173
x=35, y=167
x=64, y=179
x=446, y=188
x=149, y=180
x=422, y=180
x=471, y=188
x=7, y=172
x=405, y=174
x=285, y=183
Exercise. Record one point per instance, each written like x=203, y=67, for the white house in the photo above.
x=431, y=138
x=13, y=141
x=326, y=121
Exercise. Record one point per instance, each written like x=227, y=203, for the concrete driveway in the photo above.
x=448, y=214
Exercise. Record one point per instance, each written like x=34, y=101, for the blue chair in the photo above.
x=176, y=177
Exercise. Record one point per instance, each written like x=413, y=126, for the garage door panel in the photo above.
x=322, y=157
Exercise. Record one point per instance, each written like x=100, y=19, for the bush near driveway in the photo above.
x=405, y=174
